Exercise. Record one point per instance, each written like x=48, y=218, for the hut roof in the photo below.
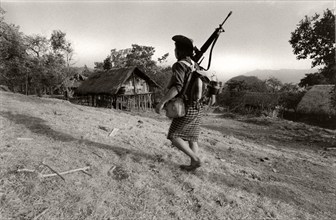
x=74, y=80
x=317, y=101
x=109, y=82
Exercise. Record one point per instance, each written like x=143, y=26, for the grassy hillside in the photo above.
x=253, y=168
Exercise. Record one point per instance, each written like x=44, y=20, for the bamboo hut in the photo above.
x=122, y=88
x=318, y=101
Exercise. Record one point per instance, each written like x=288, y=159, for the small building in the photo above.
x=318, y=101
x=123, y=88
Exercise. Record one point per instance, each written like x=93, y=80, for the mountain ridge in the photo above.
x=284, y=75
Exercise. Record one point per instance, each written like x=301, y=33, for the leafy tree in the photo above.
x=314, y=38
x=290, y=100
x=290, y=96
x=313, y=79
x=13, y=62
x=107, y=64
x=236, y=85
x=32, y=62
x=37, y=46
x=289, y=87
x=141, y=56
x=163, y=59
x=62, y=47
x=98, y=66
x=86, y=71
x=273, y=84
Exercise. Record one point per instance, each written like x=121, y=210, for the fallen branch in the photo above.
x=110, y=171
x=67, y=172
x=52, y=171
x=86, y=173
x=96, y=154
x=103, y=128
x=113, y=132
x=26, y=170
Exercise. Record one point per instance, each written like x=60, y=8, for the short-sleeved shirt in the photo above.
x=180, y=75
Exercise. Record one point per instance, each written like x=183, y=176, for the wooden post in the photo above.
x=128, y=103
x=111, y=101
x=138, y=103
x=134, y=83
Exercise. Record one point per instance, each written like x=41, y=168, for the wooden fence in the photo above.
x=126, y=102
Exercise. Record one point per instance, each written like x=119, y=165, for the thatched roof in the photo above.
x=74, y=81
x=317, y=101
x=109, y=82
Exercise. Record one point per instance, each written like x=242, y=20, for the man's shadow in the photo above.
x=39, y=127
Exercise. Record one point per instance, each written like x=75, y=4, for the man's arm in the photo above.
x=172, y=92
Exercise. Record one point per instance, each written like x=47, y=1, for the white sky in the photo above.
x=256, y=35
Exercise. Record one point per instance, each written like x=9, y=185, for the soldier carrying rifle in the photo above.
x=188, y=84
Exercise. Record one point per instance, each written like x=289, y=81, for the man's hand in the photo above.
x=159, y=107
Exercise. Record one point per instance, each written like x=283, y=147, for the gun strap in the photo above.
x=210, y=54
x=192, y=67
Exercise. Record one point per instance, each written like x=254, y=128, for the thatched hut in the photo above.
x=318, y=101
x=122, y=88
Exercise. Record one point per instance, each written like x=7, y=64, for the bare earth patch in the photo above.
x=255, y=168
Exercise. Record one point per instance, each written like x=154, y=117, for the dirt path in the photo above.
x=255, y=168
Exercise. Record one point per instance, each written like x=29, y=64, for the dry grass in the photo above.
x=264, y=170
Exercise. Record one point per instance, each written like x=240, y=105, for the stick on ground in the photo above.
x=53, y=171
x=67, y=172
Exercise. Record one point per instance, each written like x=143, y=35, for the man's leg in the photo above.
x=194, y=147
x=185, y=148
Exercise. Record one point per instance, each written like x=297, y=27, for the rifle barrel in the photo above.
x=212, y=38
x=226, y=18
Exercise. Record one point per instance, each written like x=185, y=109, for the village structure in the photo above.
x=126, y=88
x=317, y=101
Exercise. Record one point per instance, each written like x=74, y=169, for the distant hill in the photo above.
x=249, y=80
x=284, y=75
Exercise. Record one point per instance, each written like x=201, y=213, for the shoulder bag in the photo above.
x=175, y=108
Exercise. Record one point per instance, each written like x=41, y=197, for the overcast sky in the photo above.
x=256, y=35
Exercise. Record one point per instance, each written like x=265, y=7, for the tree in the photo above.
x=37, y=45
x=107, y=64
x=33, y=61
x=13, y=57
x=86, y=72
x=62, y=47
x=98, y=66
x=311, y=79
x=290, y=96
x=163, y=59
x=273, y=84
x=141, y=57
x=314, y=38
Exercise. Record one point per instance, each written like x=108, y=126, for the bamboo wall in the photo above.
x=128, y=102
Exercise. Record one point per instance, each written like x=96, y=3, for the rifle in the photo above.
x=212, y=40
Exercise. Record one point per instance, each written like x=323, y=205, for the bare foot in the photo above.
x=193, y=165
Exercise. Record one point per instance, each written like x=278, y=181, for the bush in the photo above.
x=291, y=99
